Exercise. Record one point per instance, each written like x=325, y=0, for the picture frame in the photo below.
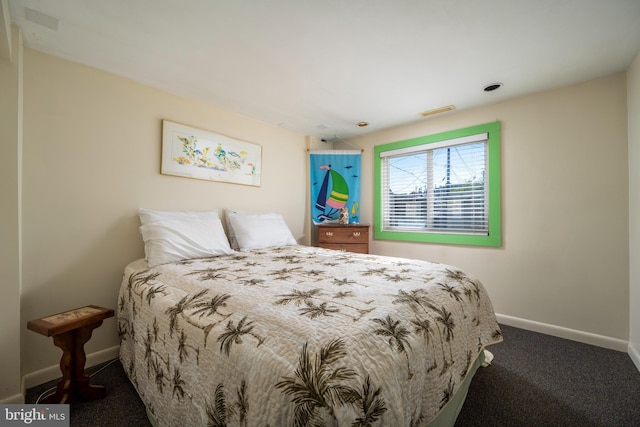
x=201, y=154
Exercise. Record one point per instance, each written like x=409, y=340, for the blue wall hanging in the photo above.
x=335, y=184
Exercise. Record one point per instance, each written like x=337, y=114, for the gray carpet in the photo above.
x=535, y=380
x=539, y=380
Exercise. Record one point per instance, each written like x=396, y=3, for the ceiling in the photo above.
x=320, y=67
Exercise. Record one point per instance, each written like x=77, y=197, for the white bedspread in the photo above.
x=300, y=336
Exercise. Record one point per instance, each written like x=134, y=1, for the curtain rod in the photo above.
x=343, y=141
x=310, y=150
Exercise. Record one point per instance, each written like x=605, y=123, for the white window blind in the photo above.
x=438, y=187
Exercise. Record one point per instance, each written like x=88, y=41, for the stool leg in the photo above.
x=64, y=388
x=74, y=382
x=82, y=388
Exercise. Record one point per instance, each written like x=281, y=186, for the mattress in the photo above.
x=302, y=336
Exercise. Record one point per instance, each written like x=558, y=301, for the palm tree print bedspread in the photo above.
x=300, y=336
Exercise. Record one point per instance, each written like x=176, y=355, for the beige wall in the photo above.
x=564, y=259
x=633, y=101
x=10, y=193
x=92, y=145
x=92, y=158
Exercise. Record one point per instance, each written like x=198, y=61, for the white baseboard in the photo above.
x=634, y=354
x=53, y=372
x=561, y=332
x=15, y=399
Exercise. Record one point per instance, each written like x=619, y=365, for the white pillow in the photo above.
x=188, y=237
x=259, y=230
x=231, y=233
x=149, y=217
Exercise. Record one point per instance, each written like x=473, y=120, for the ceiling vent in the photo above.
x=438, y=110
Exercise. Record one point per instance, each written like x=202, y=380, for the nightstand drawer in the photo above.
x=344, y=234
x=350, y=238
x=360, y=248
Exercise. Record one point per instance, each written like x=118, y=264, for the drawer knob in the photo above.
x=356, y=234
x=328, y=233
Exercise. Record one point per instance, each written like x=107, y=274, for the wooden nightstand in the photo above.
x=351, y=238
x=70, y=331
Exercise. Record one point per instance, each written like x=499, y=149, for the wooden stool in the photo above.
x=70, y=331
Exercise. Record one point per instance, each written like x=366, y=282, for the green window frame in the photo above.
x=386, y=224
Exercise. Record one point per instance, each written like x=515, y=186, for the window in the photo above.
x=442, y=188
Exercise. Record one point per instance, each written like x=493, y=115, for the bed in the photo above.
x=291, y=335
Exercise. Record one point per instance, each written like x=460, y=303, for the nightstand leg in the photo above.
x=74, y=382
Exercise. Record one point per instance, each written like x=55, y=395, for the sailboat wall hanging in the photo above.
x=335, y=184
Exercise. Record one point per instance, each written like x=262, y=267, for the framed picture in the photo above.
x=195, y=153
